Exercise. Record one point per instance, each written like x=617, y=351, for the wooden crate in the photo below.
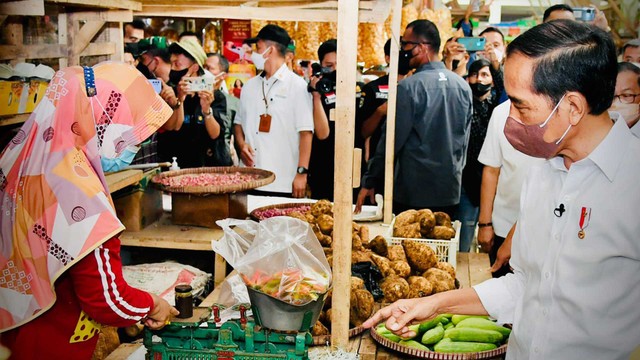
x=205, y=209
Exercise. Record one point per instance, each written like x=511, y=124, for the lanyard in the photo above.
x=264, y=96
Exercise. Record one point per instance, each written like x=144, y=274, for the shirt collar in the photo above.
x=608, y=155
x=432, y=65
x=281, y=75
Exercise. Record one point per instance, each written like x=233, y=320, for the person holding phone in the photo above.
x=197, y=136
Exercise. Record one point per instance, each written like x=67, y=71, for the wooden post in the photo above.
x=391, y=112
x=343, y=193
x=627, y=23
x=116, y=36
x=63, y=62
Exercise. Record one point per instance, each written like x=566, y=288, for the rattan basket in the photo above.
x=264, y=178
x=489, y=354
x=255, y=213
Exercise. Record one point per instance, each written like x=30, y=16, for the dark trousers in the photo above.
x=270, y=193
x=493, y=254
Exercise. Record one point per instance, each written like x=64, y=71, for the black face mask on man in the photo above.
x=479, y=89
x=145, y=70
x=175, y=76
x=403, y=61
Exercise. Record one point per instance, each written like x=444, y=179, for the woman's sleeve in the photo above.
x=103, y=293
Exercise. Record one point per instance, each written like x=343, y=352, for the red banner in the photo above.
x=234, y=32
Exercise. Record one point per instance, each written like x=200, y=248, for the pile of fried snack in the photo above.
x=409, y=270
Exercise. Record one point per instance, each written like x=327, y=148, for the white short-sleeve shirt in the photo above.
x=573, y=297
x=497, y=152
x=291, y=110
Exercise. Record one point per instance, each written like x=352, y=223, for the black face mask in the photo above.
x=145, y=71
x=175, y=76
x=454, y=64
x=403, y=61
x=480, y=89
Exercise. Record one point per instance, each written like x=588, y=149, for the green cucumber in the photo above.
x=414, y=344
x=449, y=326
x=473, y=335
x=430, y=324
x=393, y=337
x=485, y=324
x=448, y=346
x=434, y=335
x=455, y=319
x=448, y=316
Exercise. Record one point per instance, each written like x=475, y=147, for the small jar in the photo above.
x=184, y=301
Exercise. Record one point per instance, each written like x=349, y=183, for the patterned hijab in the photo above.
x=55, y=206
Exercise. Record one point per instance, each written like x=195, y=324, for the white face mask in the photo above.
x=629, y=112
x=499, y=54
x=259, y=59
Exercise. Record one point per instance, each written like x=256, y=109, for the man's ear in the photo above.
x=578, y=107
x=193, y=70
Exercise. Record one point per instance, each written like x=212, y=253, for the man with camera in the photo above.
x=197, y=136
x=322, y=86
x=274, y=127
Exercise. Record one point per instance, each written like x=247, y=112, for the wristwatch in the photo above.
x=302, y=170
x=177, y=105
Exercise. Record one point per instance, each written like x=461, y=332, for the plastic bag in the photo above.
x=280, y=257
x=371, y=276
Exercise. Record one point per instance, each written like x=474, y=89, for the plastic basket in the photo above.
x=446, y=250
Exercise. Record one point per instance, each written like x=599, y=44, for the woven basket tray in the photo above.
x=489, y=354
x=254, y=214
x=320, y=340
x=264, y=178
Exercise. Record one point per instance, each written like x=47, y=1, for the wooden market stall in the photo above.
x=347, y=14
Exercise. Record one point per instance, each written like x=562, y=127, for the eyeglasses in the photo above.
x=626, y=98
x=404, y=43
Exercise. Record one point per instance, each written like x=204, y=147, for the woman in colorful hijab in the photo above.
x=60, y=269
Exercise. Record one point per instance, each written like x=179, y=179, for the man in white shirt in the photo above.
x=575, y=289
x=504, y=172
x=274, y=127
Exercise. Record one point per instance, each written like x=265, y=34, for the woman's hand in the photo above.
x=161, y=313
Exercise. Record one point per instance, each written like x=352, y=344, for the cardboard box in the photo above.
x=37, y=89
x=205, y=209
x=138, y=206
x=13, y=97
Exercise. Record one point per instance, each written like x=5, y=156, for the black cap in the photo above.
x=273, y=33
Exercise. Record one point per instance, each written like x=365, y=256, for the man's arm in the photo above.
x=488, y=188
x=370, y=125
x=300, y=181
x=320, y=121
x=244, y=149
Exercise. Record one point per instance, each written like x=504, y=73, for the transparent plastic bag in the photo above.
x=279, y=256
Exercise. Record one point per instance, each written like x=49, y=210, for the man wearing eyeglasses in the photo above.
x=626, y=100
x=433, y=117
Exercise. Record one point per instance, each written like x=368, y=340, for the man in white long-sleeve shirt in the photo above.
x=575, y=289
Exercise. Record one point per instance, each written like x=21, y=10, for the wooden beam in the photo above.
x=86, y=33
x=63, y=62
x=23, y=8
x=44, y=51
x=343, y=192
x=116, y=36
x=107, y=15
x=94, y=49
x=109, y=4
x=255, y=13
x=3, y=18
x=391, y=113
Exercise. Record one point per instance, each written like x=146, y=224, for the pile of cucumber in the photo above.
x=448, y=333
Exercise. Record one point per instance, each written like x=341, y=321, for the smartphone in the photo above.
x=200, y=83
x=584, y=13
x=157, y=85
x=473, y=43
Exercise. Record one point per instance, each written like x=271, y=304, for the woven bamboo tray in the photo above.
x=320, y=340
x=489, y=354
x=255, y=213
x=264, y=178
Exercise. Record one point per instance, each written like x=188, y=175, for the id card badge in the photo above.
x=265, y=123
